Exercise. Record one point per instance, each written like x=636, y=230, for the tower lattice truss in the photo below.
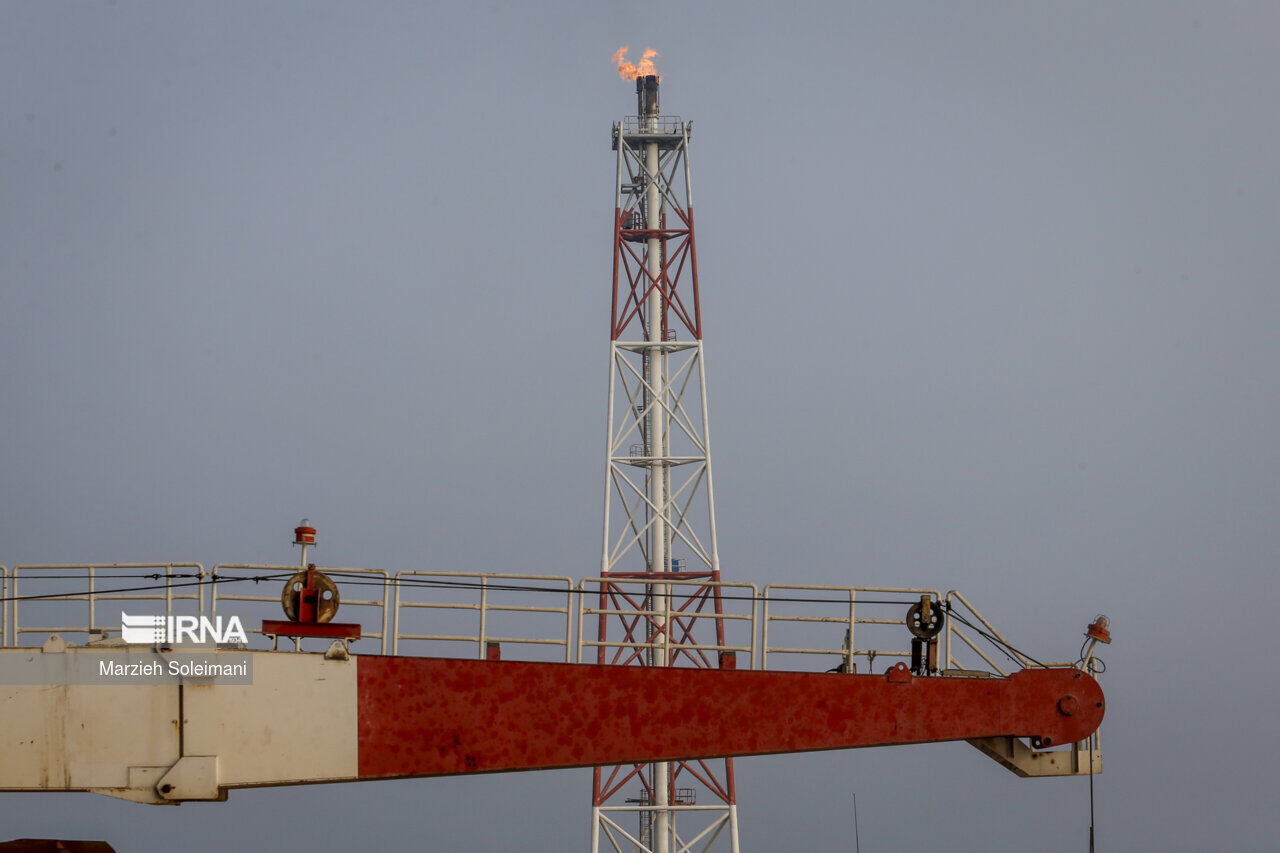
x=660, y=597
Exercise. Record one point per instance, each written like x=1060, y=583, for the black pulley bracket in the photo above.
x=925, y=627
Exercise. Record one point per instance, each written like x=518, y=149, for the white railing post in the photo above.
x=484, y=600
x=853, y=619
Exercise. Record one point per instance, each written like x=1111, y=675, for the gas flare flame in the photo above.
x=632, y=70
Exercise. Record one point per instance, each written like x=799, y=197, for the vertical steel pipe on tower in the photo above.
x=659, y=599
x=655, y=376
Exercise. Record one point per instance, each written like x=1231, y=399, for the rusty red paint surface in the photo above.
x=433, y=716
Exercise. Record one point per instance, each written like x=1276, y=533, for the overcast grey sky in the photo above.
x=989, y=303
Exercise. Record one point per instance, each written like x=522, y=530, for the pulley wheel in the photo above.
x=919, y=626
x=326, y=595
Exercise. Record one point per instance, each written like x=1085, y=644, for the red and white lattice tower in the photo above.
x=659, y=595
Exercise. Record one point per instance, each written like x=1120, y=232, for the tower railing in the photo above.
x=647, y=625
x=641, y=125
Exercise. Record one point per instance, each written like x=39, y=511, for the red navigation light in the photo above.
x=304, y=533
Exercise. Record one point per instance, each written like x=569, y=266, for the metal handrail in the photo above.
x=92, y=596
x=584, y=611
x=662, y=124
x=483, y=608
x=336, y=574
x=849, y=650
x=955, y=596
x=389, y=627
